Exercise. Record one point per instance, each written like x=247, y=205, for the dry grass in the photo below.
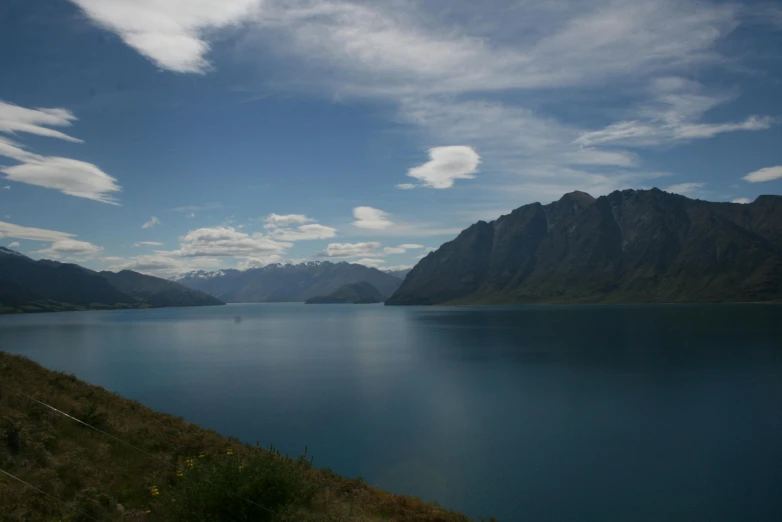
x=101, y=477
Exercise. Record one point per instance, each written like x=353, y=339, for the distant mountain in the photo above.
x=286, y=283
x=352, y=293
x=158, y=292
x=401, y=274
x=38, y=286
x=629, y=246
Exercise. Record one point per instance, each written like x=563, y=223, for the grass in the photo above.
x=193, y=473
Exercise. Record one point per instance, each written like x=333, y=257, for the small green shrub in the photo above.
x=203, y=489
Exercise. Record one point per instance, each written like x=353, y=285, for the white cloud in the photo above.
x=277, y=220
x=445, y=165
x=34, y=234
x=147, y=243
x=411, y=246
x=227, y=241
x=70, y=248
x=69, y=176
x=393, y=250
x=112, y=259
x=7, y=187
x=406, y=186
x=685, y=189
x=371, y=248
x=373, y=218
x=14, y=118
x=743, y=201
x=151, y=223
x=191, y=215
x=372, y=263
x=14, y=244
x=171, y=33
x=303, y=233
x=766, y=174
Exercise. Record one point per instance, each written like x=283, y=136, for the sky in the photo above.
x=172, y=135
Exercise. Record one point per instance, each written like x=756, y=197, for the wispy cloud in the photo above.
x=371, y=262
x=70, y=248
x=371, y=248
x=34, y=234
x=303, y=233
x=685, y=189
x=743, y=201
x=63, y=245
x=69, y=176
x=198, y=208
x=14, y=119
x=147, y=243
x=372, y=218
x=14, y=244
x=766, y=174
x=153, y=221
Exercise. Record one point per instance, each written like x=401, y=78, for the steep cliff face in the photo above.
x=629, y=246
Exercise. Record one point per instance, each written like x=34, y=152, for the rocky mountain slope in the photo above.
x=629, y=246
x=287, y=283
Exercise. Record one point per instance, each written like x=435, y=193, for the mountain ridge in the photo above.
x=27, y=285
x=628, y=246
x=288, y=282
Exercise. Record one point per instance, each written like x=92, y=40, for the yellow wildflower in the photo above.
x=201, y=455
x=179, y=473
x=229, y=452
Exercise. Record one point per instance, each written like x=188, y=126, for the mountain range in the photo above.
x=351, y=293
x=49, y=286
x=286, y=283
x=631, y=246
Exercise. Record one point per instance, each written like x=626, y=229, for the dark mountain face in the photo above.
x=287, y=283
x=629, y=246
x=28, y=285
x=353, y=293
x=158, y=292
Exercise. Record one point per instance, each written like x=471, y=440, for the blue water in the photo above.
x=642, y=413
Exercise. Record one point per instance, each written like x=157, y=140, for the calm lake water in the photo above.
x=561, y=413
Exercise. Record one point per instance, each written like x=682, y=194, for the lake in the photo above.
x=599, y=413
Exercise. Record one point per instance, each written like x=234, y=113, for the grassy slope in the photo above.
x=110, y=481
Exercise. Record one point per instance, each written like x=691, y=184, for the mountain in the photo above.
x=352, y=293
x=630, y=246
x=286, y=283
x=401, y=274
x=158, y=292
x=37, y=286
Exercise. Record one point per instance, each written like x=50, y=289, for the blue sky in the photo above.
x=169, y=135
